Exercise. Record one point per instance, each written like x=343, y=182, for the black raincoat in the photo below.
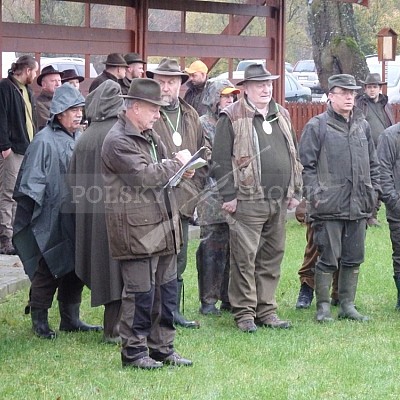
x=44, y=224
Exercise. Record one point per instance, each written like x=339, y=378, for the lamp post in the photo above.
x=387, y=42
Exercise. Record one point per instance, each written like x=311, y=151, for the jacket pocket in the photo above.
x=369, y=197
x=329, y=200
x=146, y=231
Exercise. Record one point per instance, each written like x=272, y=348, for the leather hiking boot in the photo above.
x=209, y=309
x=6, y=247
x=273, y=321
x=247, y=326
x=306, y=296
x=145, y=362
x=175, y=359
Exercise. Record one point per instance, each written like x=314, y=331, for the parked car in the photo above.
x=63, y=63
x=244, y=63
x=293, y=90
x=8, y=57
x=306, y=73
x=392, y=78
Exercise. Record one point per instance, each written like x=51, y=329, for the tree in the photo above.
x=335, y=41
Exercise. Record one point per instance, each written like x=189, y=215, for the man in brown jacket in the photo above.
x=143, y=228
x=180, y=128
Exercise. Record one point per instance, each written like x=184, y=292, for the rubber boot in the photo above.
x=40, y=323
x=348, y=279
x=334, y=291
x=179, y=319
x=70, y=321
x=397, y=282
x=306, y=296
x=323, y=283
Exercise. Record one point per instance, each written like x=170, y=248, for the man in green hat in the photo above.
x=115, y=70
x=143, y=228
x=258, y=174
x=180, y=128
x=341, y=180
x=134, y=70
x=379, y=114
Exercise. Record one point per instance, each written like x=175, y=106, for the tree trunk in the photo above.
x=335, y=41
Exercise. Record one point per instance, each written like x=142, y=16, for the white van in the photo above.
x=8, y=58
x=392, y=78
x=63, y=63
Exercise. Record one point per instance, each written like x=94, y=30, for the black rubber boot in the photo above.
x=70, y=321
x=348, y=279
x=397, y=282
x=306, y=296
x=323, y=283
x=179, y=319
x=40, y=323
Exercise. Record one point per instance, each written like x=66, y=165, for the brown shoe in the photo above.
x=142, y=363
x=247, y=326
x=273, y=321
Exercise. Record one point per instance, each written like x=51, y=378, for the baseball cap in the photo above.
x=197, y=66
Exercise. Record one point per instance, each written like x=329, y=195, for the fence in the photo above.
x=301, y=113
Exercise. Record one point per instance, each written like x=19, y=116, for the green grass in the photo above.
x=342, y=360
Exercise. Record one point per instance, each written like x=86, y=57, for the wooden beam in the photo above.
x=47, y=38
x=214, y=7
x=202, y=45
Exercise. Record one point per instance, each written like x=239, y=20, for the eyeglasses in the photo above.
x=347, y=92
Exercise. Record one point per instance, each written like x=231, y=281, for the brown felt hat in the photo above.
x=168, y=66
x=70, y=74
x=49, y=70
x=147, y=90
x=115, y=60
x=132, y=58
x=373, y=79
x=257, y=72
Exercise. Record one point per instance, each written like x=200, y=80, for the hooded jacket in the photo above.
x=44, y=223
x=94, y=264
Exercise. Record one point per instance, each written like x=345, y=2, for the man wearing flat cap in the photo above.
x=341, y=180
x=49, y=80
x=134, y=70
x=44, y=225
x=115, y=70
x=258, y=174
x=143, y=228
x=180, y=128
x=379, y=114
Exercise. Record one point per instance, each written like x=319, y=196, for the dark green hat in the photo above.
x=147, y=90
x=115, y=60
x=168, y=66
x=132, y=58
x=344, y=81
x=256, y=72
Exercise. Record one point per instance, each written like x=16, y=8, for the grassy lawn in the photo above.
x=342, y=360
